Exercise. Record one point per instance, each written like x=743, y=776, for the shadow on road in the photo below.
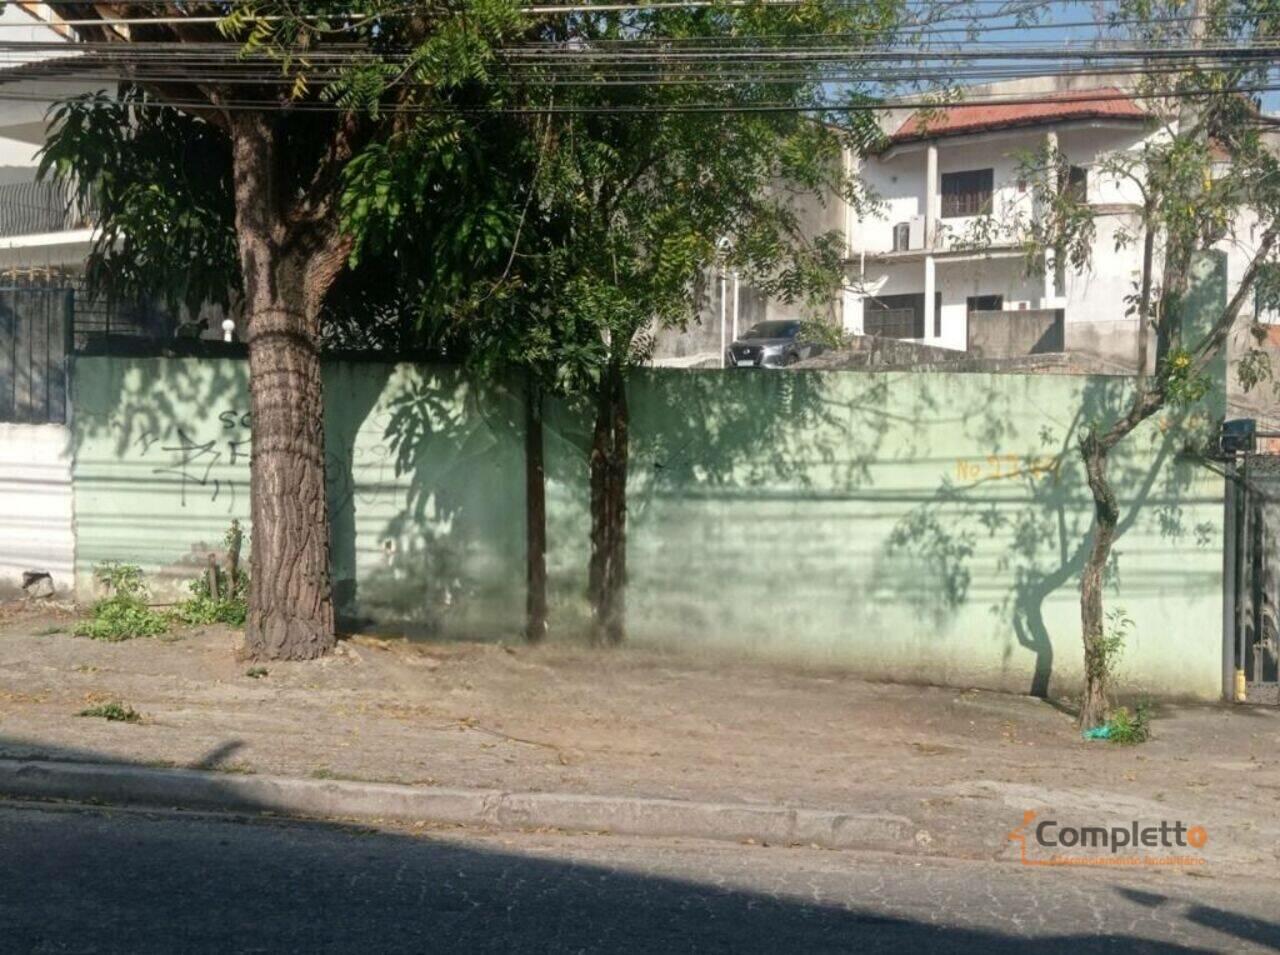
x=105, y=880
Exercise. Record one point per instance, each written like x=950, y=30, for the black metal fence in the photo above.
x=35, y=343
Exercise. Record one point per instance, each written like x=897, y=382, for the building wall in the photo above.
x=1094, y=298
x=697, y=342
x=36, y=515
x=925, y=527
x=957, y=280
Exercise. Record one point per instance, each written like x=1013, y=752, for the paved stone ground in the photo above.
x=79, y=880
x=962, y=765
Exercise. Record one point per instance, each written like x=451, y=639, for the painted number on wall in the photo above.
x=1000, y=467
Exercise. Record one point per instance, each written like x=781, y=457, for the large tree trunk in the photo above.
x=606, y=585
x=291, y=614
x=535, y=484
x=1094, y=703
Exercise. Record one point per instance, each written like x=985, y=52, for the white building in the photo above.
x=948, y=177
x=914, y=267
x=39, y=228
x=44, y=240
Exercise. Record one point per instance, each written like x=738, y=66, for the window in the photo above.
x=774, y=329
x=902, y=237
x=984, y=303
x=900, y=316
x=966, y=193
x=1078, y=183
x=894, y=316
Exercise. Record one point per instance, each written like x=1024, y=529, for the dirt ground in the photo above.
x=961, y=764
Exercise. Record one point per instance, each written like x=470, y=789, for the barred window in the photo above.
x=967, y=193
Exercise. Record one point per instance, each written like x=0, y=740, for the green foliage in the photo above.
x=159, y=184
x=231, y=606
x=1253, y=368
x=555, y=239
x=123, y=614
x=1183, y=383
x=256, y=673
x=202, y=609
x=1128, y=728
x=824, y=333
x=1106, y=653
x=122, y=580
x=115, y=712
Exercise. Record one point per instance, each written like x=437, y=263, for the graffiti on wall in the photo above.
x=175, y=453
x=355, y=471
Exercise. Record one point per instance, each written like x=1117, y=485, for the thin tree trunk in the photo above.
x=291, y=614
x=535, y=484
x=1144, y=303
x=606, y=586
x=1094, y=703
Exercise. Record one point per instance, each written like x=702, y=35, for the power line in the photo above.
x=814, y=108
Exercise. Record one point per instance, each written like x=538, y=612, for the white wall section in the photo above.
x=37, y=529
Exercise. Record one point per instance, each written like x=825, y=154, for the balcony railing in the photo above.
x=31, y=208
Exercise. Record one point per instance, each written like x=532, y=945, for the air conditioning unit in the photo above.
x=917, y=232
x=909, y=235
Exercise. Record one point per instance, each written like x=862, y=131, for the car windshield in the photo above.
x=774, y=330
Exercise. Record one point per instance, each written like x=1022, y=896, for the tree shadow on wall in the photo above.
x=352, y=391
x=1026, y=506
x=161, y=449
x=438, y=478
x=732, y=472
x=125, y=406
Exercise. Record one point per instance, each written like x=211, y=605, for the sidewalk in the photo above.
x=959, y=767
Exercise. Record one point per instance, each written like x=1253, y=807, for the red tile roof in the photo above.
x=1102, y=103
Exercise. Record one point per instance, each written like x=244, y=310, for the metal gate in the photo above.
x=35, y=342
x=1252, y=566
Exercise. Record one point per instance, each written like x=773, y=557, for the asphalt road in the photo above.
x=95, y=880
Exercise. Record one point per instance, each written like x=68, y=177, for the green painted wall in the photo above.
x=914, y=526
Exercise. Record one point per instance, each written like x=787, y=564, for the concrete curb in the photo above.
x=197, y=789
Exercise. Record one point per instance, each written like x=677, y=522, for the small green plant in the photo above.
x=1129, y=728
x=256, y=673
x=1111, y=647
x=115, y=711
x=222, y=594
x=124, y=613
x=123, y=580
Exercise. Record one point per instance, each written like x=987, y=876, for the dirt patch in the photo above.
x=631, y=721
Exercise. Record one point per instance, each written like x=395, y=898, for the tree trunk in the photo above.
x=1094, y=703
x=606, y=586
x=291, y=613
x=535, y=485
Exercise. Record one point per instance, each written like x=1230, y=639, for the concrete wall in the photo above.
x=925, y=527
x=1004, y=334
x=36, y=515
